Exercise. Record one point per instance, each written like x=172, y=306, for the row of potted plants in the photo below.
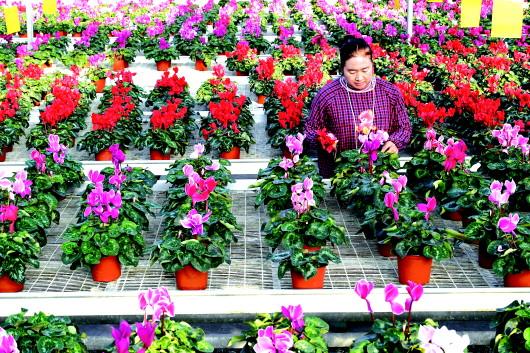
x=288, y=330
x=29, y=202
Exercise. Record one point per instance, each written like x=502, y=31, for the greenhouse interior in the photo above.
x=291, y=176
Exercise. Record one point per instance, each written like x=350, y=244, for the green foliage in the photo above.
x=87, y=242
x=151, y=49
x=355, y=183
x=512, y=328
x=305, y=262
x=309, y=340
x=41, y=333
x=17, y=251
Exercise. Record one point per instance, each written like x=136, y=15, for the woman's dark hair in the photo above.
x=352, y=46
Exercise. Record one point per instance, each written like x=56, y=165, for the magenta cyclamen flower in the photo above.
x=454, y=153
x=415, y=291
x=271, y=342
x=7, y=343
x=9, y=213
x=146, y=332
x=58, y=149
x=104, y=204
x=96, y=177
x=118, y=156
x=40, y=160
x=199, y=189
x=286, y=163
x=163, y=44
x=121, y=337
x=295, y=315
x=390, y=200
x=508, y=224
x=428, y=207
x=195, y=221
x=21, y=185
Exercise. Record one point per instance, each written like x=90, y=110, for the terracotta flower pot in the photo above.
x=156, y=155
x=9, y=148
x=414, y=268
x=62, y=33
x=23, y=35
x=312, y=248
x=104, y=155
x=521, y=279
x=315, y=282
x=76, y=34
x=385, y=250
x=119, y=64
x=453, y=216
x=163, y=65
x=241, y=73
x=108, y=269
x=7, y=285
x=234, y=153
x=261, y=99
x=100, y=85
x=485, y=260
x=200, y=65
x=188, y=278
x=3, y=154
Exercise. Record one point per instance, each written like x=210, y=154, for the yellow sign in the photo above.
x=49, y=7
x=12, y=20
x=435, y=1
x=470, y=13
x=507, y=19
x=396, y=4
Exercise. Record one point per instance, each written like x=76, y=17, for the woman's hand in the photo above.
x=390, y=147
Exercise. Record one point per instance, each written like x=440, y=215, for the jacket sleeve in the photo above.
x=400, y=127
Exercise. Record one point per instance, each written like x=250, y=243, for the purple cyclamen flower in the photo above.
x=118, y=156
x=58, y=149
x=163, y=44
x=286, y=163
x=295, y=145
x=40, y=160
x=295, y=315
x=121, y=37
x=121, y=337
x=302, y=196
x=390, y=30
x=96, y=177
x=195, y=221
x=198, y=150
x=96, y=59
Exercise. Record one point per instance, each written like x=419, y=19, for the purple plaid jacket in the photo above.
x=331, y=109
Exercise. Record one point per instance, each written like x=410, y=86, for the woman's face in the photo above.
x=358, y=71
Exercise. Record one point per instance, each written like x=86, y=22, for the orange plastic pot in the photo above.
x=188, y=278
x=3, y=154
x=200, y=65
x=521, y=279
x=108, y=269
x=163, y=65
x=104, y=155
x=316, y=282
x=261, y=99
x=7, y=285
x=100, y=85
x=312, y=248
x=62, y=33
x=156, y=155
x=23, y=35
x=119, y=64
x=234, y=153
x=414, y=268
x=76, y=34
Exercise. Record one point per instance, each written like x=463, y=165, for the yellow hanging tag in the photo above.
x=12, y=20
x=49, y=7
x=507, y=19
x=470, y=13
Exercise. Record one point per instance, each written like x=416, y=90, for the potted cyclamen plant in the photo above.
x=97, y=72
x=262, y=78
x=105, y=239
x=123, y=49
x=157, y=46
x=289, y=330
x=242, y=59
x=18, y=248
x=416, y=240
x=404, y=336
x=302, y=232
x=199, y=223
x=159, y=333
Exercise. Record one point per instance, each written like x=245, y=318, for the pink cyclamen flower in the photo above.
x=9, y=213
x=158, y=300
x=272, y=342
x=295, y=145
x=199, y=189
x=391, y=293
x=508, y=224
x=58, y=149
x=391, y=199
x=454, y=153
x=286, y=163
x=296, y=315
x=415, y=290
x=213, y=167
x=363, y=288
x=195, y=221
x=496, y=195
x=40, y=160
x=7, y=342
x=198, y=150
x=428, y=207
x=21, y=185
x=95, y=177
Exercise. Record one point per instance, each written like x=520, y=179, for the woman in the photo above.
x=338, y=104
